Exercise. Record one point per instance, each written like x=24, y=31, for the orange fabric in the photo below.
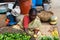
x=25, y=6
x=7, y=21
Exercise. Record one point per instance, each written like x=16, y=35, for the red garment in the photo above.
x=26, y=22
x=25, y=6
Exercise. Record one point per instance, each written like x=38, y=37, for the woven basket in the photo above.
x=45, y=15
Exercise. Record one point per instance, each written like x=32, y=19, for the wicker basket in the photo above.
x=45, y=15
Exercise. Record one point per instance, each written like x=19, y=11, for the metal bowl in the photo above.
x=3, y=8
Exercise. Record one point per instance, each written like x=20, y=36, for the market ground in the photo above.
x=57, y=13
x=56, y=9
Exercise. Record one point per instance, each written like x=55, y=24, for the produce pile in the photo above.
x=54, y=35
x=49, y=38
x=14, y=36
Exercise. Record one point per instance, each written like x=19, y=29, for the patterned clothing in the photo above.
x=32, y=25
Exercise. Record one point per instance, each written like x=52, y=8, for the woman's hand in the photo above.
x=17, y=27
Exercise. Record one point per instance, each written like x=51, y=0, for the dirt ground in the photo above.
x=44, y=29
x=55, y=7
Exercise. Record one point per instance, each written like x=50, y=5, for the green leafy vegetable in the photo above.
x=14, y=36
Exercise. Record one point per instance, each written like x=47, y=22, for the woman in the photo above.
x=29, y=22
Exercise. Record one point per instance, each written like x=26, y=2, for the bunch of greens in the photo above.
x=14, y=36
x=49, y=38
